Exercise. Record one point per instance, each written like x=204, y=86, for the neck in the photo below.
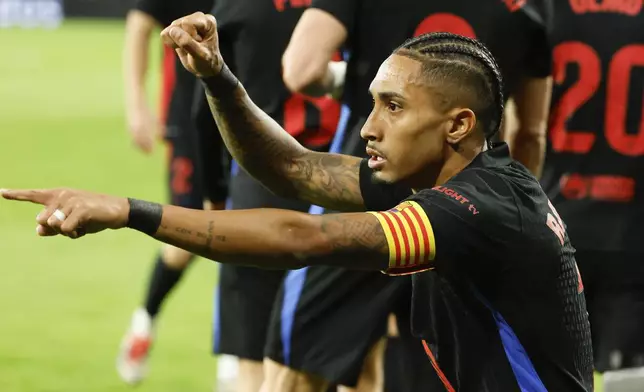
x=456, y=160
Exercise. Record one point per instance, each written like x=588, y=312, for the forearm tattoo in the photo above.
x=276, y=159
x=346, y=232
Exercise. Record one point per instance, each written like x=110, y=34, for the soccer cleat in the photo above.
x=131, y=363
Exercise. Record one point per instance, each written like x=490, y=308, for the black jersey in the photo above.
x=257, y=33
x=514, y=31
x=498, y=300
x=177, y=94
x=594, y=169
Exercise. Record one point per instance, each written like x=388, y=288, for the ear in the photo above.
x=463, y=123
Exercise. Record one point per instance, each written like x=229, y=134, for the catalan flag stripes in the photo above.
x=409, y=235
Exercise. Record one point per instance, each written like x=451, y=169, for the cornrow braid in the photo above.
x=462, y=61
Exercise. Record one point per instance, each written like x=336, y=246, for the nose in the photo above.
x=370, y=130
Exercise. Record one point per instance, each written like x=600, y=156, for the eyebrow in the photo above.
x=387, y=95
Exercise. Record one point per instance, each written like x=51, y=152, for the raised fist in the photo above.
x=194, y=38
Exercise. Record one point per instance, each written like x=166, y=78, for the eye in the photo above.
x=393, y=107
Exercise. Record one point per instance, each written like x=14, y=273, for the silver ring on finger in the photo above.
x=59, y=215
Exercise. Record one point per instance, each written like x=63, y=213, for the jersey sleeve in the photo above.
x=155, y=8
x=538, y=61
x=378, y=196
x=410, y=238
x=345, y=11
x=446, y=224
x=165, y=11
x=222, y=11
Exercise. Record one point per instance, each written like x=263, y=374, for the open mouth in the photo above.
x=376, y=160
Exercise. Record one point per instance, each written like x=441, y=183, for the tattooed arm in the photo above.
x=276, y=159
x=270, y=238
x=254, y=139
x=266, y=238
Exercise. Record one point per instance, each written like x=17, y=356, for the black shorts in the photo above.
x=198, y=163
x=188, y=185
x=327, y=319
x=246, y=295
x=614, y=288
x=197, y=166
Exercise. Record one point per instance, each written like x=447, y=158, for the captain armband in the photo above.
x=410, y=238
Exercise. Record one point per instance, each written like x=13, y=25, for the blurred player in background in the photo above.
x=196, y=170
x=253, y=36
x=594, y=171
x=515, y=32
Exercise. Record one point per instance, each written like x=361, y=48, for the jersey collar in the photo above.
x=498, y=155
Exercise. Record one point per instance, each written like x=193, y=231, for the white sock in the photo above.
x=227, y=372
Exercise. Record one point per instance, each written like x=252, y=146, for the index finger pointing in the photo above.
x=39, y=196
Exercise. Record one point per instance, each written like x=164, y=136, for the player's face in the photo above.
x=407, y=128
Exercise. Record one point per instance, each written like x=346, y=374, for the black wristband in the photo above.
x=144, y=216
x=224, y=82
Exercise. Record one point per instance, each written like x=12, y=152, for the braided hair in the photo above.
x=465, y=65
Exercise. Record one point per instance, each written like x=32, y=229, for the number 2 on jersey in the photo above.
x=299, y=115
x=617, y=91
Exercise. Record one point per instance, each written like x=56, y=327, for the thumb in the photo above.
x=184, y=41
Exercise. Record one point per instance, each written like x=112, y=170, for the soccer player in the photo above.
x=255, y=35
x=497, y=297
x=517, y=38
x=594, y=167
x=515, y=33
x=188, y=164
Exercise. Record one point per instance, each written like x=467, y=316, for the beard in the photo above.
x=376, y=179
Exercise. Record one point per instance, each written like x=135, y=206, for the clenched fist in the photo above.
x=194, y=38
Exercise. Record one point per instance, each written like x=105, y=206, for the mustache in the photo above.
x=371, y=150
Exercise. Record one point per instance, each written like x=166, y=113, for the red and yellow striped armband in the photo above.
x=410, y=238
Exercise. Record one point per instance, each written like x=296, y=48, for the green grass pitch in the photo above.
x=64, y=304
